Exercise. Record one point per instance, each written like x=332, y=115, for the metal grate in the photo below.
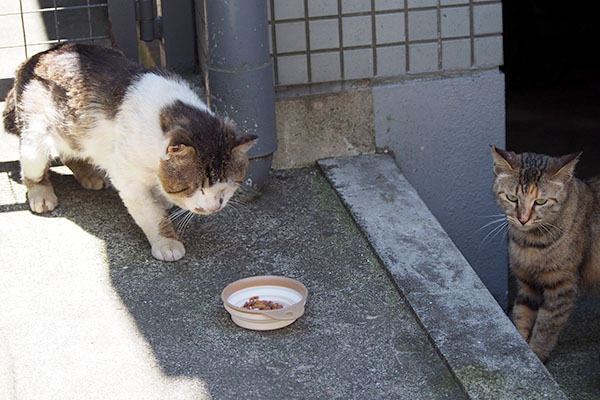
x=58, y=15
x=30, y=26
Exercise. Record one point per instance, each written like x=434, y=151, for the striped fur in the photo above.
x=554, y=250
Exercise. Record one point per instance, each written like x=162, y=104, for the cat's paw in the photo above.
x=93, y=182
x=42, y=198
x=168, y=250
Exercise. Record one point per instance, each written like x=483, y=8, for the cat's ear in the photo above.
x=563, y=168
x=179, y=150
x=244, y=142
x=179, y=145
x=504, y=161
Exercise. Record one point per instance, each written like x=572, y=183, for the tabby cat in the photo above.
x=554, y=246
x=147, y=131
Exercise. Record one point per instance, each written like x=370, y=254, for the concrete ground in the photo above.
x=86, y=312
x=575, y=361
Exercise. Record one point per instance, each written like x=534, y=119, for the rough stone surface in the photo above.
x=574, y=362
x=481, y=346
x=326, y=125
x=87, y=313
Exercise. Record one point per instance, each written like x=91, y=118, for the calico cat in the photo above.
x=554, y=240
x=147, y=131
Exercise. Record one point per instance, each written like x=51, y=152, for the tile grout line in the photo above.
x=341, y=39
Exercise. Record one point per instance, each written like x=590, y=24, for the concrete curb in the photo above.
x=488, y=357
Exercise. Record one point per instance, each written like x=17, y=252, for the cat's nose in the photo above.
x=214, y=209
x=523, y=220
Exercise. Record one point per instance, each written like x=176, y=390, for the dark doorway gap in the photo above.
x=552, y=79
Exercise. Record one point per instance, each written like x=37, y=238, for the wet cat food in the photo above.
x=254, y=303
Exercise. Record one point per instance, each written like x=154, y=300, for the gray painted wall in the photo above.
x=440, y=131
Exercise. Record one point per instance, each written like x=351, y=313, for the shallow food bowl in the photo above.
x=285, y=291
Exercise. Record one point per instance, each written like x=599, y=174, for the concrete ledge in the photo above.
x=323, y=125
x=486, y=354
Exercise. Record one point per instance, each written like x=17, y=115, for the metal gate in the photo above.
x=30, y=26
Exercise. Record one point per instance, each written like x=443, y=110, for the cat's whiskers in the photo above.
x=492, y=222
x=184, y=222
x=247, y=188
x=560, y=230
x=231, y=207
x=552, y=230
x=177, y=214
x=502, y=224
x=491, y=216
x=544, y=230
x=239, y=203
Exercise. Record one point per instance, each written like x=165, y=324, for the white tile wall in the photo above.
x=289, y=9
x=421, y=3
x=422, y=25
x=318, y=8
x=357, y=30
x=431, y=35
x=324, y=34
x=453, y=2
x=455, y=22
x=423, y=57
x=391, y=61
x=350, y=6
x=290, y=36
x=382, y=5
x=358, y=63
x=488, y=51
x=456, y=54
x=292, y=69
x=389, y=28
x=487, y=18
x=325, y=67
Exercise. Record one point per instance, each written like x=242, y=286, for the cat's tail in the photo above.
x=10, y=113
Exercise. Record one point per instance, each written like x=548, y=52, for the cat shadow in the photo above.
x=12, y=192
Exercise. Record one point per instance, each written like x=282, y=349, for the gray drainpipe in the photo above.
x=234, y=50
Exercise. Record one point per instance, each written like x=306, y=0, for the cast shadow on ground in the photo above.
x=296, y=228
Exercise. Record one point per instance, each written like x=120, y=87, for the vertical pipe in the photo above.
x=234, y=50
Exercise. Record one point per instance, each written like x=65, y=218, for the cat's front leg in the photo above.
x=150, y=215
x=34, y=157
x=559, y=300
x=526, y=307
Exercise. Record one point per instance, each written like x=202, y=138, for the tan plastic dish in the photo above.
x=278, y=289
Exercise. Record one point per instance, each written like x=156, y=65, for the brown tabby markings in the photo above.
x=198, y=136
x=554, y=248
x=74, y=90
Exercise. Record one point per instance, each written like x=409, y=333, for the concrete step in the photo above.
x=483, y=350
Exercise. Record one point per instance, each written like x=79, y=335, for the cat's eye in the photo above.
x=512, y=197
x=178, y=191
x=541, y=201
